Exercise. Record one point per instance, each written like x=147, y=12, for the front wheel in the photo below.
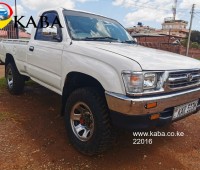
x=87, y=121
x=15, y=81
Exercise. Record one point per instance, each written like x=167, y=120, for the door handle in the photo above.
x=31, y=48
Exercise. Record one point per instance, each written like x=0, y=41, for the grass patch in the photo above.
x=5, y=116
x=2, y=82
x=13, y=117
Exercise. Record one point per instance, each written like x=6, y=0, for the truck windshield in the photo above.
x=89, y=27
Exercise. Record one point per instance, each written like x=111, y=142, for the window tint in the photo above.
x=83, y=26
x=40, y=30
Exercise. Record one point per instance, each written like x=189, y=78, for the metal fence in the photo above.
x=9, y=32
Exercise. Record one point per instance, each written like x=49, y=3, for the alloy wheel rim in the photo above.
x=9, y=78
x=82, y=121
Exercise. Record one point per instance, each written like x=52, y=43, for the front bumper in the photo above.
x=134, y=114
x=139, y=122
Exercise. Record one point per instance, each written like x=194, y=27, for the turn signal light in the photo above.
x=155, y=116
x=151, y=105
x=134, y=78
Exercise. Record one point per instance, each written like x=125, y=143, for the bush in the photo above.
x=184, y=42
x=195, y=45
x=192, y=44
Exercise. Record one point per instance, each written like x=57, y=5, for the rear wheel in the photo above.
x=87, y=121
x=15, y=81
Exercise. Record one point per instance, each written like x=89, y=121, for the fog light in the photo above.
x=155, y=116
x=151, y=105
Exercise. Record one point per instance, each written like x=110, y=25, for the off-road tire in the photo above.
x=103, y=134
x=18, y=80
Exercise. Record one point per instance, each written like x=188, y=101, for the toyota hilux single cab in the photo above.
x=104, y=77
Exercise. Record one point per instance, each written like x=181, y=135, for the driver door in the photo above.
x=45, y=54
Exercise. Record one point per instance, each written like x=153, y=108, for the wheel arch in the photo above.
x=9, y=59
x=75, y=80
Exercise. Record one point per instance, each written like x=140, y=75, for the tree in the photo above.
x=195, y=36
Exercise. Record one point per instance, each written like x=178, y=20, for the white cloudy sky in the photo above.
x=128, y=12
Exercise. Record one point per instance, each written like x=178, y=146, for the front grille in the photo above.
x=183, y=79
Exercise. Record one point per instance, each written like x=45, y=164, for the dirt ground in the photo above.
x=32, y=136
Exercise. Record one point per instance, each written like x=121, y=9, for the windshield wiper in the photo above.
x=129, y=42
x=107, y=39
x=99, y=38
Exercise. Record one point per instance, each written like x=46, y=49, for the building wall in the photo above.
x=194, y=53
x=174, y=25
x=158, y=39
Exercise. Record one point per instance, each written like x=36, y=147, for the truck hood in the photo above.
x=148, y=58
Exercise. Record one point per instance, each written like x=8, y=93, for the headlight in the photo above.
x=139, y=82
x=150, y=80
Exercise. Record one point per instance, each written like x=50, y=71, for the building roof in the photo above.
x=4, y=34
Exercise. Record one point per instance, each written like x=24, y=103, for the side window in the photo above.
x=49, y=33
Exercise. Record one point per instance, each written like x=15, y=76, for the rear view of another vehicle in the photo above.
x=3, y=14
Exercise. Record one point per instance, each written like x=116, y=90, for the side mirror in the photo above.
x=51, y=32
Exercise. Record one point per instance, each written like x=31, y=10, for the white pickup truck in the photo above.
x=104, y=77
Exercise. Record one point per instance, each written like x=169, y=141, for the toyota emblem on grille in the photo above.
x=189, y=77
